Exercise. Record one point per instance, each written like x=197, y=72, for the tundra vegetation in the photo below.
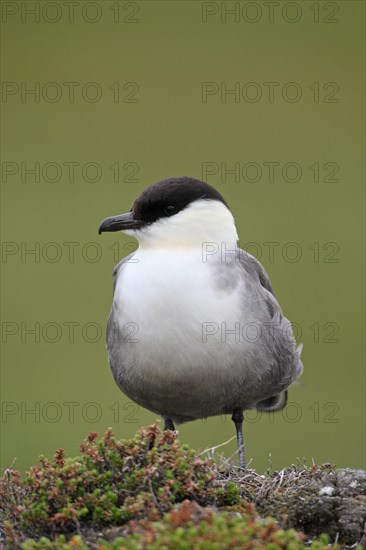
x=152, y=492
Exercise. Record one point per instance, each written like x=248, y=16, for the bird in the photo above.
x=195, y=329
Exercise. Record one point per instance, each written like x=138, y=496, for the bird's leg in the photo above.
x=237, y=418
x=168, y=424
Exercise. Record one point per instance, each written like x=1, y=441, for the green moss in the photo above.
x=191, y=526
x=232, y=493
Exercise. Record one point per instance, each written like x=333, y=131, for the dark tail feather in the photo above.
x=275, y=403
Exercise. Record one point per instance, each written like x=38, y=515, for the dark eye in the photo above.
x=170, y=210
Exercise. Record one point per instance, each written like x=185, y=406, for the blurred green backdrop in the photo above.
x=126, y=93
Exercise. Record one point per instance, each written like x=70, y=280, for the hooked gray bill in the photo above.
x=119, y=223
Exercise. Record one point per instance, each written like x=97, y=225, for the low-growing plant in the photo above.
x=152, y=492
x=111, y=482
x=190, y=526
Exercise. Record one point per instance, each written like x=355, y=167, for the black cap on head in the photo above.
x=168, y=197
x=162, y=200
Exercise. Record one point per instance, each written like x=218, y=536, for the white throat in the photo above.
x=203, y=221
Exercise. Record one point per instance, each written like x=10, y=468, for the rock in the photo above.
x=316, y=500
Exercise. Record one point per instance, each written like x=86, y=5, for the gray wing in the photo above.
x=112, y=325
x=254, y=267
x=261, y=284
x=118, y=267
x=286, y=366
x=115, y=331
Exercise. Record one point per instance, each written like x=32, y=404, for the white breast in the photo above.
x=173, y=299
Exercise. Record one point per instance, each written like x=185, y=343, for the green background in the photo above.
x=169, y=51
